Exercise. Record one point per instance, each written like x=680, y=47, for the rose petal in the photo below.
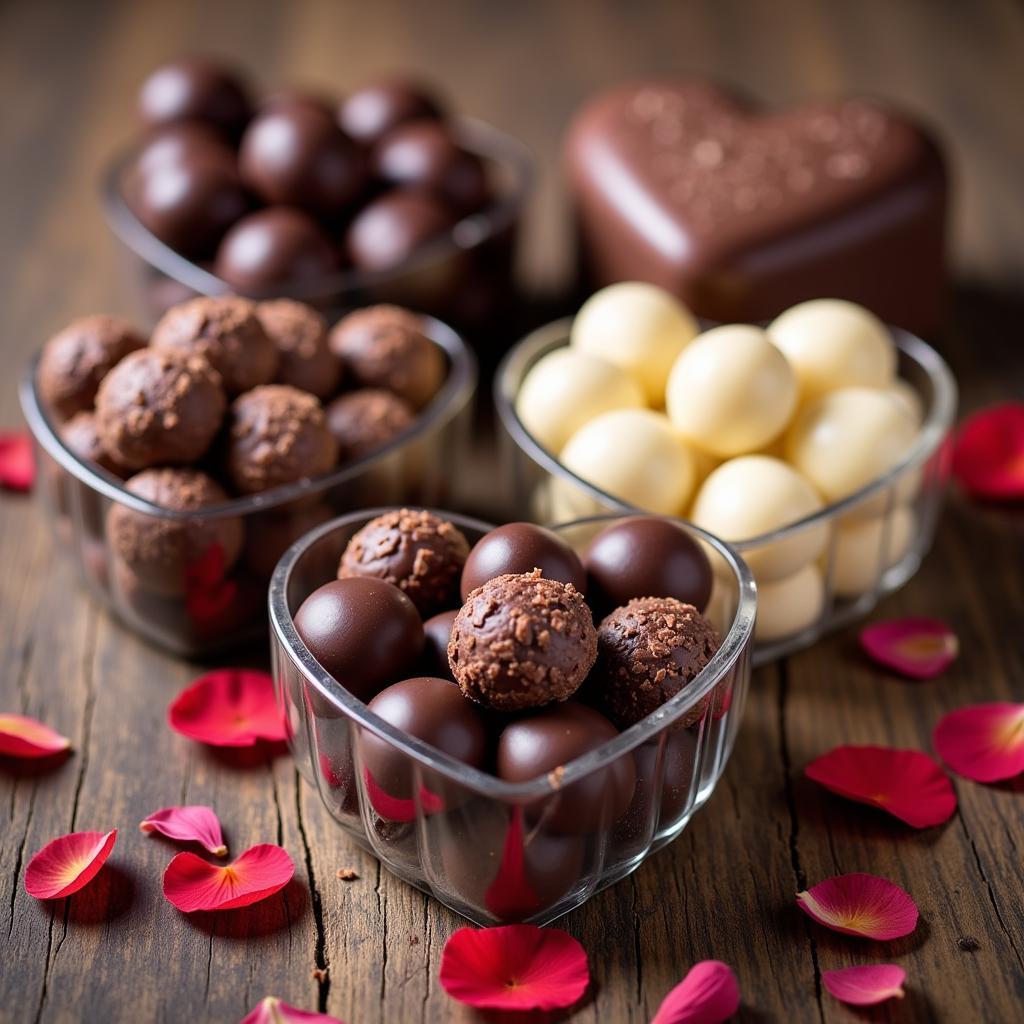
x=191, y=883
x=67, y=864
x=270, y=1010
x=232, y=707
x=510, y=894
x=860, y=904
x=707, y=995
x=207, y=593
x=396, y=808
x=514, y=967
x=984, y=742
x=988, y=458
x=194, y=823
x=17, y=467
x=867, y=985
x=918, y=648
x=906, y=783
x=25, y=737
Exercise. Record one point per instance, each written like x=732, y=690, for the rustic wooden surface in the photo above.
x=118, y=952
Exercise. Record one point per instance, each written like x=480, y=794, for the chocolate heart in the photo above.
x=742, y=213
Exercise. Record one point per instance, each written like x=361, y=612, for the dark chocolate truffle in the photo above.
x=275, y=247
x=194, y=89
x=366, y=633
x=543, y=743
x=291, y=96
x=300, y=334
x=385, y=347
x=437, y=632
x=522, y=641
x=646, y=557
x=648, y=651
x=363, y=421
x=277, y=435
x=158, y=407
x=160, y=551
x=185, y=142
x=390, y=228
x=76, y=359
x=372, y=111
x=293, y=155
x=81, y=438
x=417, y=551
x=227, y=333
x=518, y=548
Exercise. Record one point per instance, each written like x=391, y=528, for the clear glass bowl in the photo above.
x=463, y=278
x=871, y=542
x=199, y=605
x=492, y=850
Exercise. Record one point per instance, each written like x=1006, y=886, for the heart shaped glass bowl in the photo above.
x=203, y=605
x=873, y=540
x=492, y=850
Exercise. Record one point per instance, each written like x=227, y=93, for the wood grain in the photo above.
x=117, y=951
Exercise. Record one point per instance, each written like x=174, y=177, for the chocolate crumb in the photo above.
x=347, y=874
x=968, y=944
x=319, y=973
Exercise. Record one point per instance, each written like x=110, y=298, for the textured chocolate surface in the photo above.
x=367, y=419
x=389, y=229
x=194, y=89
x=300, y=334
x=82, y=438
x=437, y=633
x=371, y=112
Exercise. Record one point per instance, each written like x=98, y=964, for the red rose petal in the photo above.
x=860, y=904
x=17, y=467
x=396, y=808
x=984, y=742
x=514, y=967
x=207, y=593
x=25, y=737
x=67, y=864
x=270, y=1010
x=988, y=458
x=906, y=783
x=707, y=995
x=194, y=823
x=918, y=648
x=867, y=985
x=191, y=883
x=510, y=894
x=231, y=707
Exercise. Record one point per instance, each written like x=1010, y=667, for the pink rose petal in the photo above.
x=860, y=904
x=25, y=737
x=988, y=458
x=193, y=823
x=67, y=864
x=917, y=648
x=17, y=467
x=707, y=995
x=984, y=742
x=270, y=1010
x=191, y=883
x=231, y=707
x=867, y=985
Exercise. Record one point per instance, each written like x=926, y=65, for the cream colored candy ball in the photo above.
x=568, y=388
x=637, y=327
x=865, y=548
x=731, y=391
x=789, y=605
x=848, y=438
x=834, y=344
x=756, y=494
x=909, y=396
x=636, y=456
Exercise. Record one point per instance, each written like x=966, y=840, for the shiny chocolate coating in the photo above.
x=300, y=334
x=646, y=557
x=371, y=112
x=185, y=142
x=390, y=228
x=437, y=632
x=365, y=633
x=194, y=89
x=518, y=548
x=367, y=419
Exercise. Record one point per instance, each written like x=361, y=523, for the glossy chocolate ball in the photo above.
x=372, y=111
x=365, y=633
x=186, y=142
x=300, y=334
x=542, y=744
x=194, y=89
x=363, y=421
x=390, y=228
x=646, y=557
x=437, y=632
x=275, y=247
x=519, y=548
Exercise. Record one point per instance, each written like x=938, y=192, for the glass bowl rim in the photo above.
x=554, y=335
x=456, y=391
x=736, y=641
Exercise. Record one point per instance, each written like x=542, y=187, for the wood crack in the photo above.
x=316, y=899
x=87, y=714
x=382, y=909
x=636, y=944
x=20, y=858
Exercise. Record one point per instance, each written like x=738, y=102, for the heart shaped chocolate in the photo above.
x=743, y=213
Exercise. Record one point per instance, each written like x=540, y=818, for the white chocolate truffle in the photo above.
x=753, y=495
x=635, y=456
x=910, y=397
x=789, y=605
x=638, y=327
x=848, y=438
x=568, y=388
x=731, y=391
x=865, y=548
x=834, y=344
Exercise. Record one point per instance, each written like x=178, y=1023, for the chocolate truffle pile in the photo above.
x=295, y=187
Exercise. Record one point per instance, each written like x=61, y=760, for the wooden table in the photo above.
x=725, y=888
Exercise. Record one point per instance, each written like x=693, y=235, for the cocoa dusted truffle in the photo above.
x=417, y=551
x=385, y=347
x=159, y=407
x=277, y=435
x=226, y=331
x=160, y=551
x=521, y=642
x=76, y=359
x=363, y=421
x=300, y=334
x=81, y=438
x=648, y=651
